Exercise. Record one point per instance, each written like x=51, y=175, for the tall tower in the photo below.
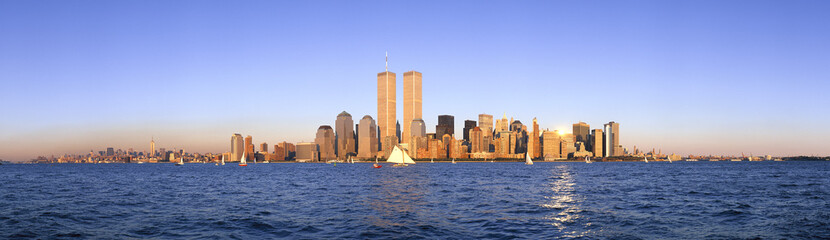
x=534, y=139
x=387, y=120
x=581, y=131
x=236, y=147
x=344, y=130
x=612, y=139
x=152, y=147
x=412, y=102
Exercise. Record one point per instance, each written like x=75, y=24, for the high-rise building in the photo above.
x=289, y=150
x=368, y=138
x=110, y=151
x=386, y=104
x=468, y=125
x=581, y=131
x=307, y=152
x=249, y=148
x=485, y=122
x=237, y=147
x=550, y=145
x=325, y=140
x=263, y=147
x=412, y=102
x=567, y=146
x=612, y=139
x=152, y=148
x=345, y=135
x=476, y=140
x=446, y=125
x=418, y=128
x=596, y=142
x=534, y=140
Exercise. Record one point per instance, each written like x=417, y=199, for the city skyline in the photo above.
x=700, y=88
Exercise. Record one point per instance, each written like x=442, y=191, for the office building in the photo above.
x=345, y=141
x=446, y=125
x=534, y=141
x=237, y=147
x=612, y=139
x=412, y=102
x=368, y=138
x=263, y=147
x=249, y=148
x=596, y=142
x=307, y=152
x=386, y=104
x=550, y=145
x=468, y=125
x=581, y=131
x=325, y=142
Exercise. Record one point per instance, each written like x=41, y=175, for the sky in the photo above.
x=685, y=77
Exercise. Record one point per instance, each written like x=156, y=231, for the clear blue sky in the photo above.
x=689, y=77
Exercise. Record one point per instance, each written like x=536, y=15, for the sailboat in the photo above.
x=588, y=159
x=527, y=159
x=645, y=159
x=453, y=161
x=432, y=160
x=181, y=161
x=669, y=158
x=223, y=160
x=400, y=158
x=243, y=163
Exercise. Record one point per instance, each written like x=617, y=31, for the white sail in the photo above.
x=181, y=160
x=242, y=161
x=399, y=156
x=223, y=159
x=527, y=159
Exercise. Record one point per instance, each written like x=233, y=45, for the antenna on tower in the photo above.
x=387, y=61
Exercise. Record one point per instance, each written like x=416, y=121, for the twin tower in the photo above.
x=387, y=106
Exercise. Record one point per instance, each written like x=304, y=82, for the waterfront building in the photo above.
x=345, y=141
x=476, y=140
x=418, y=128
x=596, y=142
x=550, y=145
x=289, y=150
x=446, y=125
x=412, y=102
x=263, y=147
x=447, y=140
x=567, y=147
x=485, y=122
x=581, y=131
x=279, y=153
x=368, y=138
x=436, y=149
x=249, y=148
x=612, y=139
x=307, y=152
x=534, y=141
x=468, y=125
x=237, y=147
x=325, y=140
x=152, y=148
x=386, y=105
x=110, y=151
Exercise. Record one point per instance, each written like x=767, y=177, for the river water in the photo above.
x=622, y=200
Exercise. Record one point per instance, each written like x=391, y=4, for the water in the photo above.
x=681, y=200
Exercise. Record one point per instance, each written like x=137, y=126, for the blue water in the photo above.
x=633, y=200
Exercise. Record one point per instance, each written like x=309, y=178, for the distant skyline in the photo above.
x=687, y=77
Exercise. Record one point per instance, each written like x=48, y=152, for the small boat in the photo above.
x=242, y=162
x=431, y=160
x=645, y=159
x=588, y=159
x=376, y=165
x=400, y=158
x=181, y=161
x=453, y=161
x=669, y=158
x=527, y=159
x=223, y=159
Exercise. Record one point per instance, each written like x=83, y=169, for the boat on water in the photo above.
x=432, y=160
x=399, y=157
x=453, y=161
x=223, y=159
x=528, y=161
x=181, y=161
x=588, y=159
x=645, y=159
x=242, y=162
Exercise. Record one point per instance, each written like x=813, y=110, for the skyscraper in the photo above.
x=534, y=139
x=468, y=125
x=345, y=135
x=386, y=104
x=418, y=128
x=485, y=122
x=446, y=125
x=412, y=102
x=476, y=140
x=612, y=139
x=152, y=148
x=596, y=142
x=263, y=147
x=368, y=138
x=325, y=141
x=581, y=131
x=237, y=147
x=550, y=145
x=249, y=148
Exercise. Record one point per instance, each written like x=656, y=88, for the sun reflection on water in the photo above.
x=564, y=203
